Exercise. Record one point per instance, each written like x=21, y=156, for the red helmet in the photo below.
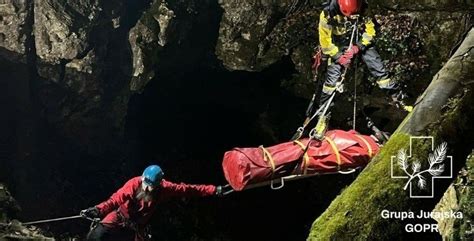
x=349, y=7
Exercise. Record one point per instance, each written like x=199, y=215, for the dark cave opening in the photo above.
x=187, y=124
x=190, y=114
x=186, y=118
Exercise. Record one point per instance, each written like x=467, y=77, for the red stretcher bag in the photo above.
x=338, y=151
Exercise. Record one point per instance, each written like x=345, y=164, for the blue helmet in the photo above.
x=152, y=175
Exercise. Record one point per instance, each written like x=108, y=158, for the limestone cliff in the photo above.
x=80, y=80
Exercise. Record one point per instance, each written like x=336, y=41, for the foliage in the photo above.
x=402, y=46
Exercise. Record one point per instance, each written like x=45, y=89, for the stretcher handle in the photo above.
x=282, y=184
x=347, y=172
x=225, y=191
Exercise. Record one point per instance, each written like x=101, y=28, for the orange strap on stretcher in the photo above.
x=335, y=150
x=369, y=148
x=268, y=157
x=305, y=156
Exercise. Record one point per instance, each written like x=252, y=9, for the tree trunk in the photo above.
x=445, y=111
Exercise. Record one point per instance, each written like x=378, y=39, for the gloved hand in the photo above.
x=219, y=191
x=91, y=212
x=345, y=59
x=352, y=51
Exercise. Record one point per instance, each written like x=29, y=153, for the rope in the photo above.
x=339, y=85
x=356, y=34
x=325, y=106
x=268, y=157
x=355, y=100
x=308, y=120
x=62, y=219
x=55, y=219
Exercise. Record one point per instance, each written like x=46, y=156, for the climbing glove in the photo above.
x=91, y=212
x=352, y=51
x=345, y=59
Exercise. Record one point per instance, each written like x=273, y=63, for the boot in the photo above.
x=321, y=127
x=397, y=99
x=380, y=136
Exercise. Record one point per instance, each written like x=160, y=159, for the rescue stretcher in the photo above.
x=342, y=152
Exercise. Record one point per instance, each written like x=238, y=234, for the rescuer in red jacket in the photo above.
x=133, y=204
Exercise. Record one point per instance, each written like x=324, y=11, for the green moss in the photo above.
x=357, y=209
x=465, y=192
x=373, y=192
x=454, y=119
x=374, y=188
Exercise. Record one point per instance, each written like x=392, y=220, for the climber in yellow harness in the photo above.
x=335, y=37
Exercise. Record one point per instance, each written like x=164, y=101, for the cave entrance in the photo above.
x=185, y=122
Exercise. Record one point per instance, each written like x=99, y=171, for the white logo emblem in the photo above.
x=414, y=173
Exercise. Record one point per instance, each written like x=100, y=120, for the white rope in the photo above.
x=339, y=87
x=355, y=86
x=55, y=219
x=355, y=102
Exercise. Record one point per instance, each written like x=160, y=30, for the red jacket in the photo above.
x=140, y=211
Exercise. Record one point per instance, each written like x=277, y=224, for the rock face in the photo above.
x=444, y=111
x=84, y=60
x=12, y=229
x=8, y=205
x=447, y=203
x=62, y=29
x=160, y=39
x=90, y=56
x=80, y=63
x=459, y=197
x=14, y=28
x=17, y=232
x=77, y=65
x=147, y=38
x=256, y=34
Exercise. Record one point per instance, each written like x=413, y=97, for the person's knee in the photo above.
x=374, y=63
x=97, y=233
x=328, y=89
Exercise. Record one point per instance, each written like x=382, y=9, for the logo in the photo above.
x=419, y=179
